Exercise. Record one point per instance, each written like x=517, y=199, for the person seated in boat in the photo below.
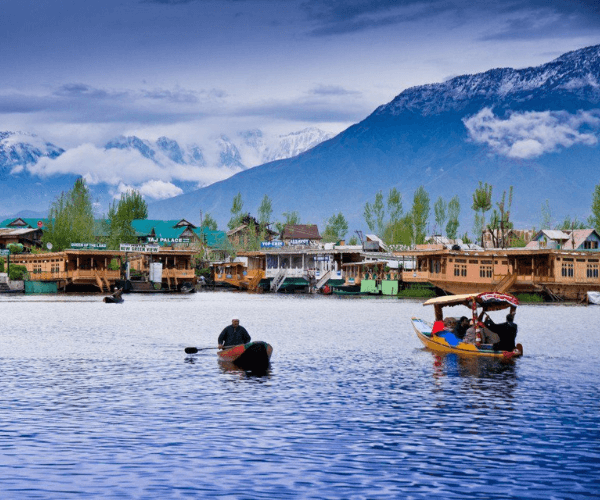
x=487, y=336
x=233, y=334
x=117, y=294
x=461, y=327
x=507, y=332
x=447, y=332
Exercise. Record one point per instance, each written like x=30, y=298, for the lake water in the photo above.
x=100, y=401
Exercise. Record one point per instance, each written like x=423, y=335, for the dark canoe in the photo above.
x=113, y=300
x=253, y=356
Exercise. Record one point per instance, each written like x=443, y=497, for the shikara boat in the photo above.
x=435, y=338
x=253, y=356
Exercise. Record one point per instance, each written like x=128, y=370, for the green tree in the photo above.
x=440, y=209
x=569, y=224
x=336, y=228
x=594, y=220
x=265, y=211
x=209, y=222
x=70, y=218
x=482, y=203
x=353, y=240
x=236, y=212
x=500, y=220
x=395, y=209
x=374, y=214
x=546, y=222
x=453, y=214
x=290, y=219
x=420, y=214
x=130, y=206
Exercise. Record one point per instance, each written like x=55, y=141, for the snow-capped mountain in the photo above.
x=536, y=129
x=18, y=149
x=159, y=168
x=249, y=148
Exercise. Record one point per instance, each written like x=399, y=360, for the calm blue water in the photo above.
x=100, y=401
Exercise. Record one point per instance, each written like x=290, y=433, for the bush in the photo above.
x=530, y=297
x=17, y=273
x=1, y=265
x=114, y=265
x=416, y=292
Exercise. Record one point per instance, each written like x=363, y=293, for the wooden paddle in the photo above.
x=194, y=350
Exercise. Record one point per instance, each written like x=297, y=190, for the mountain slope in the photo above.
x=533, y=128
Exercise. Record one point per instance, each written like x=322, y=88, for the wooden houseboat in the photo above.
x=246, y=272
x=379, y=277
x=103, y=269
x=560, y=274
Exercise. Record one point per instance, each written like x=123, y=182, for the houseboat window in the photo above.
x=590, y=245
x=460, y=270
x=592, y=270
x=505, y=263
x=580, y=260
x=485, y=271
x=271, y=261
x=472, y=261
x=593, y=260
x=567, y=269
x=461, y=260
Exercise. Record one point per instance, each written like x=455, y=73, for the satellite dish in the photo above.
x=49, y=246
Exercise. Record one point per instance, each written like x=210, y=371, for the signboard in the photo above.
x=128, y=247
x=271, y=244
x=151, y=239
x=4, y=252
x=323, y=258
x=40, y=223
x=88, y=246
x=297, y=241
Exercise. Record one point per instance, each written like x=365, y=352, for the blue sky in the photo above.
x=82, y=72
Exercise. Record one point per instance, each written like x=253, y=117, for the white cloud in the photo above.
x=117, y=167
x=159, y=190
x=532, y=133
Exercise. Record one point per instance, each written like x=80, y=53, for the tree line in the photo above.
x=71, y=218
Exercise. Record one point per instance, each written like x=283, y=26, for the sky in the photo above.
x=79, y=73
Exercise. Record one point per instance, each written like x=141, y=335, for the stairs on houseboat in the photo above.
x=278, y=280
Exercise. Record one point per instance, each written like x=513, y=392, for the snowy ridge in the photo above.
x=18, y=149
x=575, y=72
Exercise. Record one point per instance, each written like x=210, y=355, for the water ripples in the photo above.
x=103, y=402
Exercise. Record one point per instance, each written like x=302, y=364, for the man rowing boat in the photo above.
x=233, y=334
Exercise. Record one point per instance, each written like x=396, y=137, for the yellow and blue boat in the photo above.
x=436, y=338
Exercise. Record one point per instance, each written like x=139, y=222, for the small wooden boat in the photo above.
x=253, y=356
x=111, y=299
x=435, y=338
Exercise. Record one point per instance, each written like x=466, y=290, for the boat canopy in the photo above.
x=488, y=301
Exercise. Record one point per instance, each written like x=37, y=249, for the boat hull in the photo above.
x=253, y=356
x=439, y=344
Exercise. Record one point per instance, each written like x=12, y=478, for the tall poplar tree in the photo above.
x=70, y=218
x=131, y=206
x=594, y=219
x=420, y=214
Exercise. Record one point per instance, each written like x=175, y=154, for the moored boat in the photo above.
x=253, y=356
x=436, y=338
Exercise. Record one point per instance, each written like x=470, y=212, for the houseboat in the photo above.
x=378, y=277
x=102, y=270
x=559, y=274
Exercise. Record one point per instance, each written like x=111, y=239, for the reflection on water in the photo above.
x=99, y=401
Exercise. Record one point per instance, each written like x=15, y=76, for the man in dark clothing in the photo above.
x=233, y=334
x=506, y=331
x=461, y=327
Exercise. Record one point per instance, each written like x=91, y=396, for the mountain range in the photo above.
x=534, y=128
x=28, y=179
